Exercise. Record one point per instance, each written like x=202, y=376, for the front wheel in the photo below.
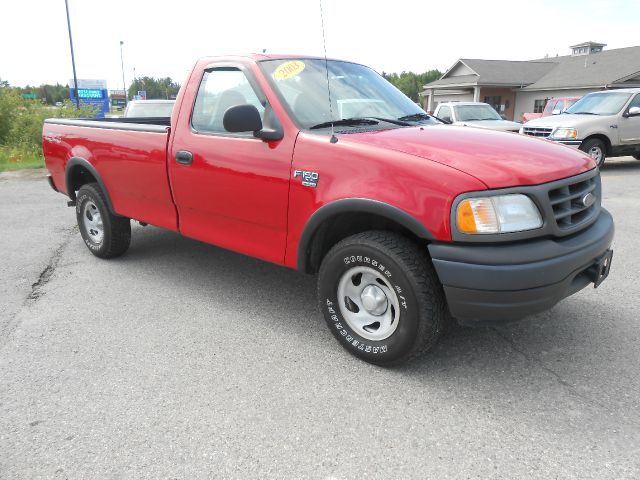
x=596, y=149
x=381, y=297
x=106, y=235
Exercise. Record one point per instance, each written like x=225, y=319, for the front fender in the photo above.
x=355, y=205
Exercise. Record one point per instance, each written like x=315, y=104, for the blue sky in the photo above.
x=164, y=38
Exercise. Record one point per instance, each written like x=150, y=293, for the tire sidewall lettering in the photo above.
x=355, y=256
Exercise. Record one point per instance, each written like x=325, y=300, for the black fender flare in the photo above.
x=600, y=136
x=75, y=162
x=355, y=205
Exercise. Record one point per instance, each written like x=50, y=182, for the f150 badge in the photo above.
x=309, y=179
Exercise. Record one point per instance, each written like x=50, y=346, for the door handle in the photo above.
x=184, y=157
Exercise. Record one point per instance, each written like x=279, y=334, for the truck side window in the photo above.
x=551, y=104
x=220, y=89
x=635, y=102
x=445, y=114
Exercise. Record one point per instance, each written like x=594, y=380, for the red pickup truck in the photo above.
x=404, y=219
x=554, y=106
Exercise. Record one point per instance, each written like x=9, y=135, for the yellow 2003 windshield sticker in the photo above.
x=288, y=70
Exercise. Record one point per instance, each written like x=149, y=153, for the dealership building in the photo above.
x=516, y=87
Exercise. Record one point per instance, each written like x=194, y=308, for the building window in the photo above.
x=538, y=105
x=494, y=101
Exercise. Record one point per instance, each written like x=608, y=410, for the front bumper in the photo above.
x=570, y=143
x=486, y=283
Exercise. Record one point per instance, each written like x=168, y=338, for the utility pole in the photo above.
x=73, y=58
x=124, y=84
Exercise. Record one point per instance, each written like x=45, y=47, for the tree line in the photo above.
x=156, y=88
x=48, y=94
x=410, y=83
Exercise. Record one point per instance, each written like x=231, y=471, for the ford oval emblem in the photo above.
x=588, y=200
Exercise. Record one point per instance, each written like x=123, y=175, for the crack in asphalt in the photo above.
x=46, y=274
x=37, y=288
x=571, y=388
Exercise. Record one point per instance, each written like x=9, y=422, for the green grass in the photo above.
x=18, y=158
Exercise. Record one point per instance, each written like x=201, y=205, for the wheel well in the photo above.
x=604, y=138
x=343, y=225
x=77, y=177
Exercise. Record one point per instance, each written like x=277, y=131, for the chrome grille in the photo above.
x=537, y=131
x=567, y=204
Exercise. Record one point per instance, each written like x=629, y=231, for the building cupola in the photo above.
x=586, y=48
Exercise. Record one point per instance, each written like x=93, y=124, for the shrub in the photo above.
x=21, y=125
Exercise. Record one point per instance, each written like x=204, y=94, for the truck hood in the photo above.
x=500, y=125
x=570, y=120
x=497, y=159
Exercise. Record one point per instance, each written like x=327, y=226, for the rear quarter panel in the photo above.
x=132, y=165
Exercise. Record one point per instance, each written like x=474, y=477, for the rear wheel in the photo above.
x=105, y=234
x=596, y=149
x=381, y=297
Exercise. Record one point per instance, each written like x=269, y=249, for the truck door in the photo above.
x=629, y=127
x=230, y=189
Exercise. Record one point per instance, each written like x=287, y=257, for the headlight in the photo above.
x=499, y=214
x=564, y=134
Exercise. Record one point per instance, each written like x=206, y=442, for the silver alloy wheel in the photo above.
x=596, y=153
x=92, y=221
x=368, y=303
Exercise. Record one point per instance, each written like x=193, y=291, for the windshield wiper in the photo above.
x=415, y=117
x=347, y=122
x=584, y=113
x=395, y=122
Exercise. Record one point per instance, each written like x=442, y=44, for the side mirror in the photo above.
x=633, y=112
x=556, y=111
x=242, y=118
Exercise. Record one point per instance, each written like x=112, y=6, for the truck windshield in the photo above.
x=357, y=92
x=600, y=104
x=469, y=113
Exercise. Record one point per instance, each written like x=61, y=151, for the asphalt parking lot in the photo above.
x=182, y=360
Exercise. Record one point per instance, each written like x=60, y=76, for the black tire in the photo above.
x=595, y=144
x=116, y=231
x=410, y=275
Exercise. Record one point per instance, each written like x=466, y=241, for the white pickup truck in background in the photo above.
x=474, y=114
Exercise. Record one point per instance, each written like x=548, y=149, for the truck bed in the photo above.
x=129, y=153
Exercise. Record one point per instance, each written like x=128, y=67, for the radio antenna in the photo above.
x=333, y=139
